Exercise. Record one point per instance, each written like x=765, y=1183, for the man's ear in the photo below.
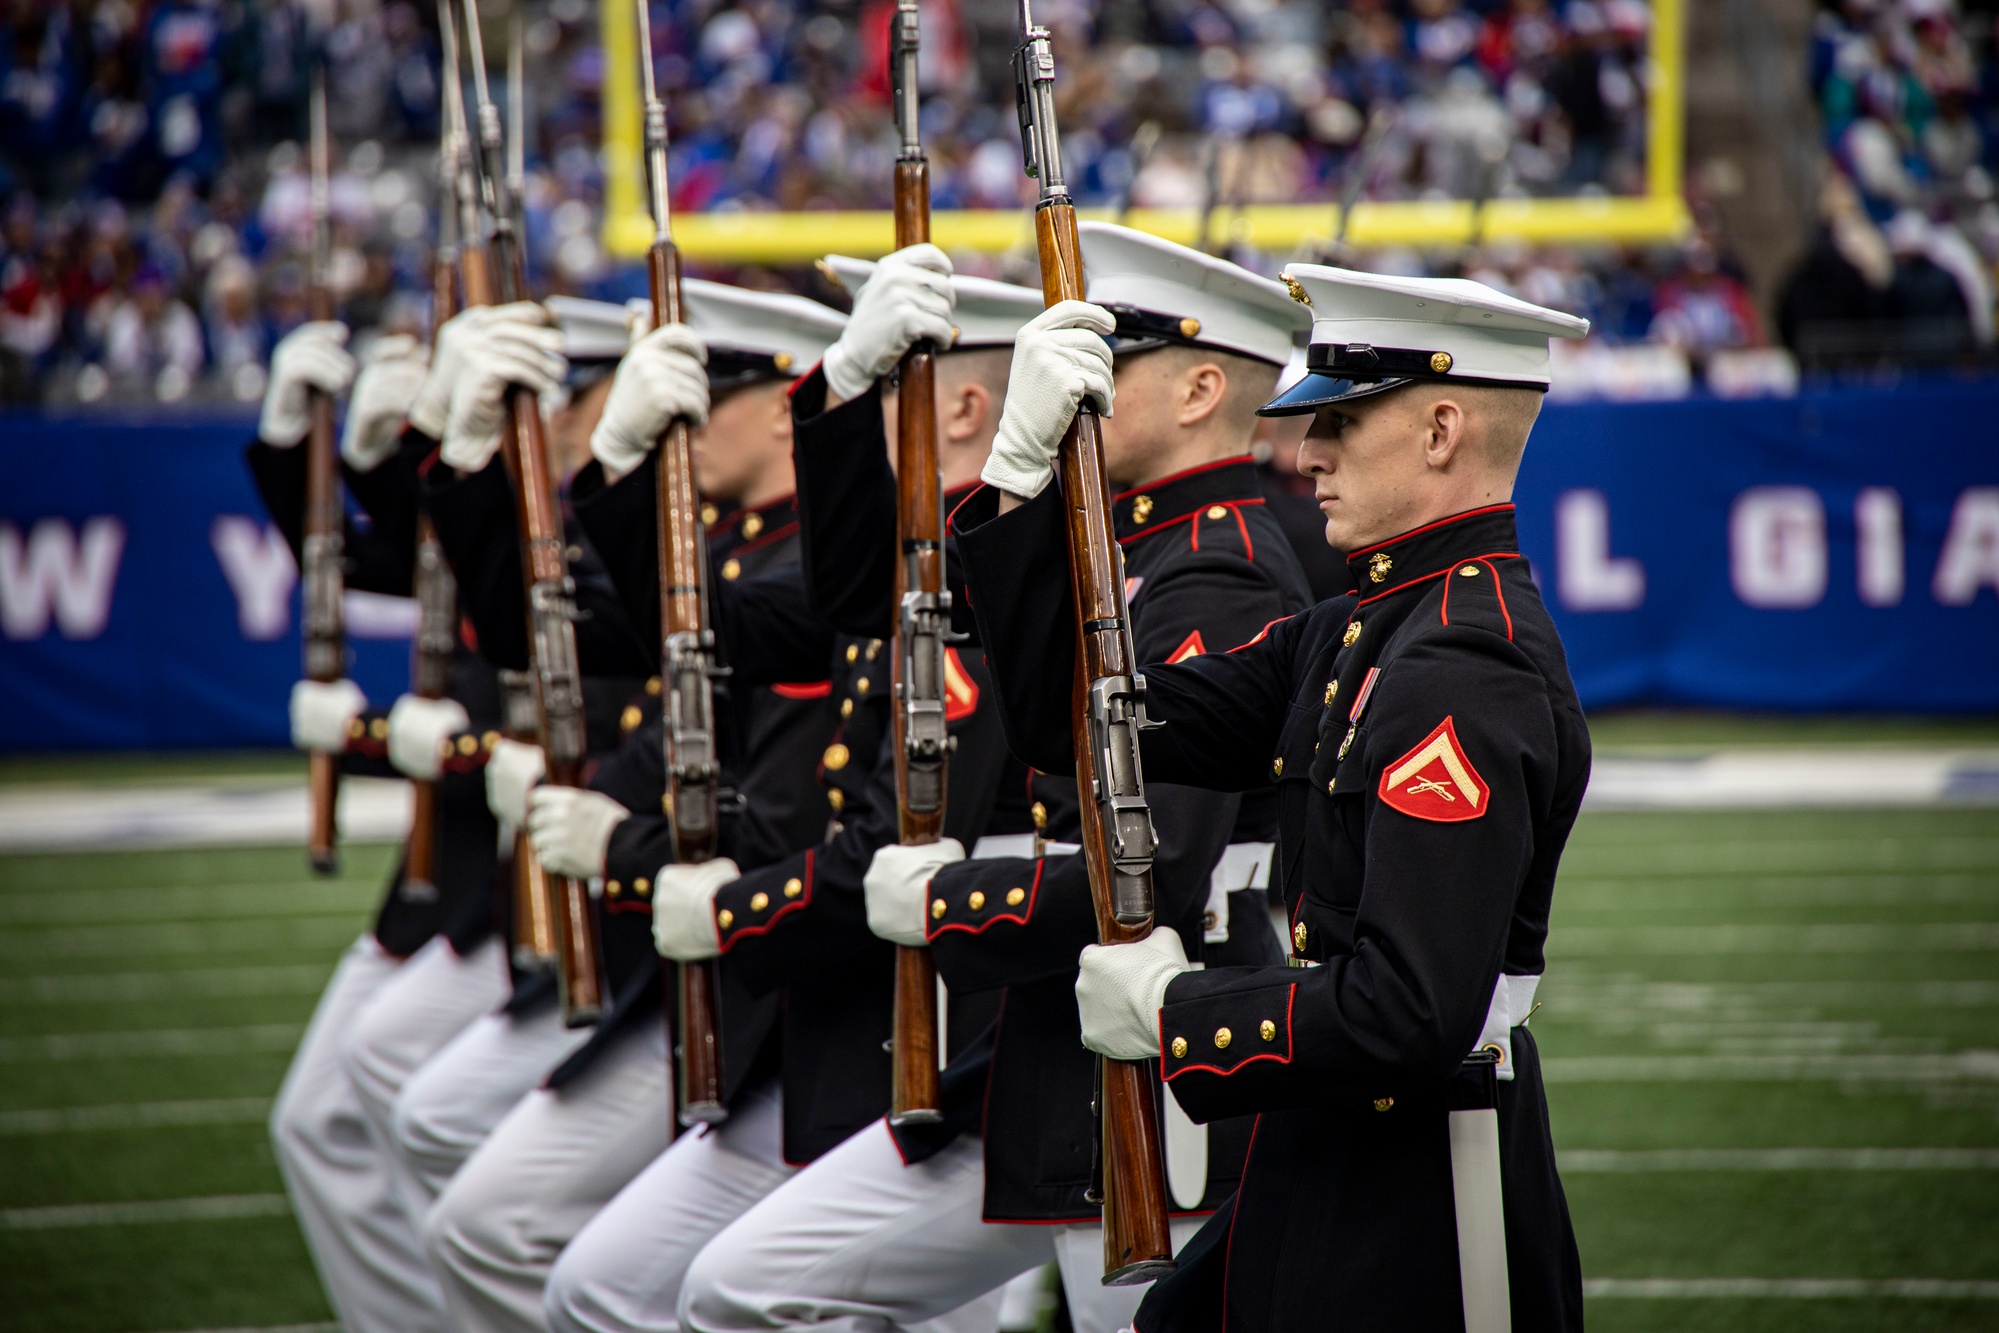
x=966, y=413
x=1445, y=427
x=780, y=415
x=1202, y=388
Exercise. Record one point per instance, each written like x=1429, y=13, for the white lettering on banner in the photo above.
x=1877, y=538
x=53, y=572
x=1970, y=559
x=1589, y=577
x=377, y=615
x=1776, y=547
x=261, y=572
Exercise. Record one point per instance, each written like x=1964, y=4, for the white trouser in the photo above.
x=859, y=1241
x=361, y=1240
x=557, y=1158
x=431, y=999
x=447, y=1108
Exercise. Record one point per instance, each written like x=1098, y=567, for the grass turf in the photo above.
x=1761, y=952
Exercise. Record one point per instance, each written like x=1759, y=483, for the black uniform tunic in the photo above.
x=1429, y=757
x=380, y=556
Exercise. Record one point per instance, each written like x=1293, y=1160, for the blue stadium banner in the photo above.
x=1839, y=550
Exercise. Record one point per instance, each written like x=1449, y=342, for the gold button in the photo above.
x=937, y=909
x=977, y=901
x=379, y=728
x=1040, y=813
x=1277, y=767
x=630, y=717
x=1383, y=1103
x=759, y=901
x=1298, y=936
x=612, y=887
x=666, y=804
x=1353, y=632
x=1222, y=1038
x=1468, y=572
x=1332, y=688
x=725, y=918
x=1016, y=896
x=1189, y=327
x=782, y=361
x=874, y=647
x=1267, y=1030
x=466, y=745
x=653, y=686
x=836, y=756
x=489, y=740
x=1379, y=564
x=861, y=686
x=853, y=652
x=1179, y=1048
x=642, y=886
x=1440, y=362
x=752, y=524
x=792, y=888
x=1141, y=509
x=572, y=553
x=445, y=749
x=731, y=568
x=1330, y=784
x=837, y=799
x=846, y=708
x=1217, y=511
x=709, y=513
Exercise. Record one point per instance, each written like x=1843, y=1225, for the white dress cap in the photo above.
x=591, y=330
x=752, y=335
x=989, y=314
x=1372, y=332
x=1164, y=292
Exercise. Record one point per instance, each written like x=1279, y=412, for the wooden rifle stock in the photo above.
x=323, y=548
x=687, y=662
x=921, y=735
x=1107, y=714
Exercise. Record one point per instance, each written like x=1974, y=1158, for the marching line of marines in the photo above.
x=1362, y=778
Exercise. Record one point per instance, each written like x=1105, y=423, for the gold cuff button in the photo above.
x=445, y=749
x=612, y=887
x=759, y=901
x=489, y=740
x=977, y=901
x=466, y=745
x=1179, y=1048
x=1015, y=897
x=1267, y=1030
x=642, y=886
x=792, y=888
x=1222, y=1038
x=732, y=568
x=379, y=728
x=937, y=909
x=654, y=685
x=725, y=918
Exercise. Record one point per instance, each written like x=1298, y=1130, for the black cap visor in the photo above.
x=1317, y=390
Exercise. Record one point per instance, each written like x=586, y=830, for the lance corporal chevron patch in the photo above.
x=1435, y=780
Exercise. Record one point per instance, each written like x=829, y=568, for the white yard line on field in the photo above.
x=134, y=1115
x=1958, y=1067
x=124, y=818
x=1794, y=778
x=257, y=1039
x=188, y=983
x=1795, y=1288
x=1610, y=1161
x=215, y=1208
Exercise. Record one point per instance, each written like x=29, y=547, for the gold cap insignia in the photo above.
x=1379, y=565
x=782, y=361
x=1141, y=509
x=1353, y=632
x=1297, y=291
x=1440, y=362
x=1189, y=327
x=831, y=274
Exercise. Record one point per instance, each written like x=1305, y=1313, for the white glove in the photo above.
x=418, y=730
x=1059, y=358
x=571, y=827
x=908, y=298
x=432, y=408
x=390, y=379
x=322, y=713
x=511, y=770
x=898, y=888
x=663, y=377
x=311, y=356
x=683, y=909
x=1121, y=989
x=508, y=349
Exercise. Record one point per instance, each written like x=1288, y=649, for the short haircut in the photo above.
x=1252, y=382
x=1508, y=415
x=989, y=366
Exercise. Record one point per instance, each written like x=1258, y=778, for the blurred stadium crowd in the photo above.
x=155, y=214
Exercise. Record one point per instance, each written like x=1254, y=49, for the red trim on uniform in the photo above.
x=951, y=519
x=1228, y=1251
x=1166, y=524
x=1390, y=592
x=803, y=900
x=1171, y=477
x=1261, y=634
x=1444, y=611
x=1500, y=593
x=815, y=689
x=1360, y=697
x=429, y=461
x=1440, y=523
x=764, y=539
x=895, y=1142
x=1191, y=646
x=1248, y=546
x=629, y=907
x=1291, y=1002
x=810, y=371
x=1019, y=917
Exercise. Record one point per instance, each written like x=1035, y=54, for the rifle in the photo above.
x=693, y=770
x=921, y=739
x=534, y=913
x=1108, y=712
x=324, y=545
x=551, y=593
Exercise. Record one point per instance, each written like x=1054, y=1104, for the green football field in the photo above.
x=1772, y=1042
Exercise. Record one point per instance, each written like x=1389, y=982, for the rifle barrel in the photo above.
x=323, y=548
